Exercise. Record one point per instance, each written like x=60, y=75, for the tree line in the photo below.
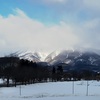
x=22, y=71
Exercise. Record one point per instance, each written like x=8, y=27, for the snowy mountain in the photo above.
x=69, y=57
x=74, y=58
x=65, y=56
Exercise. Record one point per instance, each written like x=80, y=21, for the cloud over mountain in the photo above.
x=77, y=25
x=18, y=31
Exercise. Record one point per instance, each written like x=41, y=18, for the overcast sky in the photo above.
x=48, y=25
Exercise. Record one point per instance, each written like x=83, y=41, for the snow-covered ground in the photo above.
x=53, y=91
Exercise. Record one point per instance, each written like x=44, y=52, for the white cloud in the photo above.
x=93, y=4
x=92, y=24
x=18, y=31
x=89, y=33
x=56, y=1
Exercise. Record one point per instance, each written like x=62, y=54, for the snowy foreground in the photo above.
x=53, y=91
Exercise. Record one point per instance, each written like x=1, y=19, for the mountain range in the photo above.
x=71, y=59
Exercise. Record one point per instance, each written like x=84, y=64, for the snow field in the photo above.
x=53, y=91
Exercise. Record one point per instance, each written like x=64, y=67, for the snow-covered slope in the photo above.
x=89, y=58
x=72, y=57
x=65, y=56
x=51, y=56
x=33, y=56
x=30, y=56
